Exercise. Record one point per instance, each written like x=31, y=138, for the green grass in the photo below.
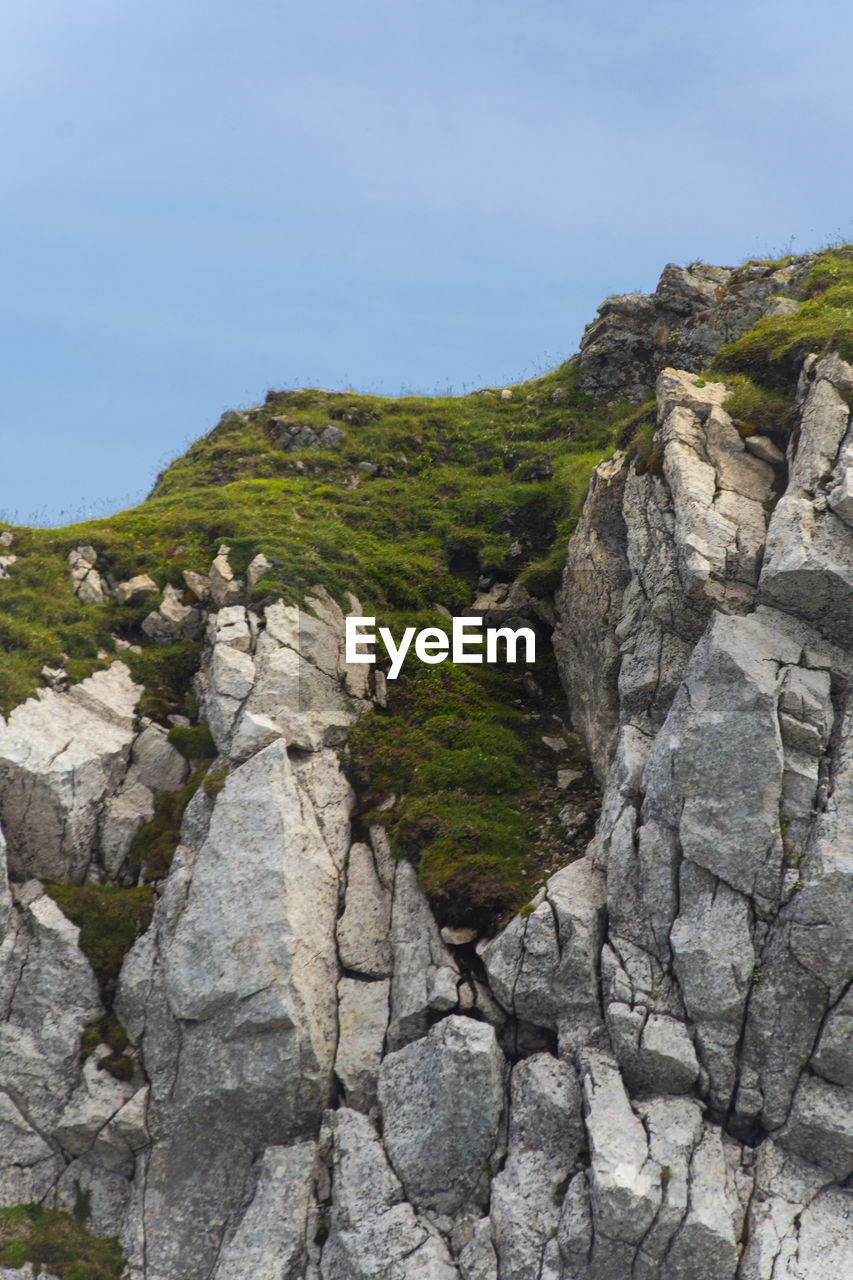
x=110, y=919
x=475, y=803
x=470, y=485
x=760, y=410
x=55, y=1241
x=458, y=483
x=771, y=351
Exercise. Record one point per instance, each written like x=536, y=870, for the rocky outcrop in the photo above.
x=693, y=311
x=646, y=1073
x=61, y=757
x=723, y=734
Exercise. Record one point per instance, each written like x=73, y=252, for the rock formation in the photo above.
x=647, y=1073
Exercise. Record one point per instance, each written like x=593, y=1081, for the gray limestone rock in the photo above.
x=86, y=582
x=363, y=930
x=224, y=587
x=546, y=1135
x=705, y=1247
x=820, y=1126
x=172, y=620
x=362, y=1022
x=454, y=1075
x=714, y=961
x=51, y=996
x=229, y=991
x=61, y=757
x=833, y=1056
x=545, y=968
x=374, y=1232
x=121, y=817
x=693, y=311
x=158, y=765
x=270, y=1241
x=478, y=1261
x=625, y=1192
x=426, y=978
x=134, y=589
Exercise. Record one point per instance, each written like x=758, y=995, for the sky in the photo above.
x=201, y=200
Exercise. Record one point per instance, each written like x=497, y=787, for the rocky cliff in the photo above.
x=299, y=1065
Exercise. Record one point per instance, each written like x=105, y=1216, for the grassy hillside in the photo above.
x=421, y=498
x=454, y=488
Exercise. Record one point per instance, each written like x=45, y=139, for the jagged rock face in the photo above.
x=726, y=830
x=693, y=311
x=647, y=1073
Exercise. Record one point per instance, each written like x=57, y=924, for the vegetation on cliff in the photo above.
x=419, y=499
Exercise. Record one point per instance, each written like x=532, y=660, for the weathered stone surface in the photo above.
x=134, y=589
x=705, y=1246
x=297, y=684
x=270, y=1242
x=229, y=991
x=172, y=620
x=654, y=1051
x=545, y=1138
x=51, y=997
x=808, y=566
x=784, y=1186
x=454, y=1074
x=258, y=566
x=86, y=582
x=363, y=930
x=425, y=976
x=121, y=817
x=545, y=968
x=374, y=1232
x=715, y=772
x=362, y=1021
x=594, y=580
x=674, y=1128
x=158, y=765
x=478, y=1260
x=820, y=1126
x=714, y=961
x=625, y=1188
x=224, y=587
x=833, y=1057
x=693, y=311
x=61, y=757
x=198, y=583
x=95, y=1101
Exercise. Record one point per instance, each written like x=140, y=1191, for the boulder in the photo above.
x=454, y=1074
x=156, y=763
x=224, y=587
x=134, y=589
x=61, y=757
x=173, y=620
x=86, y=582
x=625, y=1192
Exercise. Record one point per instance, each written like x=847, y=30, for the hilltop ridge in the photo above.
x=535, y=973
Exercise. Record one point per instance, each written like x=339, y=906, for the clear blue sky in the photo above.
x=203, y=199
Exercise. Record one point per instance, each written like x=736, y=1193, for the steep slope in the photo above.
x=334, y=1051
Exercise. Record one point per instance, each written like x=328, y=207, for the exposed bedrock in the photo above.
x=647, y=1073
